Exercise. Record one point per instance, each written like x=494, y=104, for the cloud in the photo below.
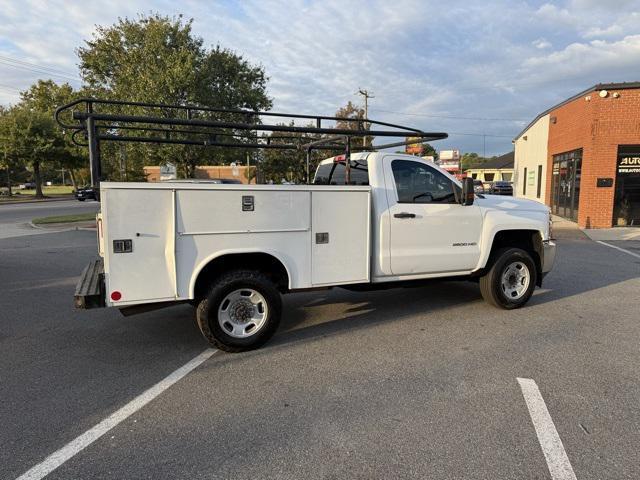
x=424, y=60
x=597, y=56
x=541, y=44
x=554, y=15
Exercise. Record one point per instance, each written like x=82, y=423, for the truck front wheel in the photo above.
x=510, y=281
x=241, y=311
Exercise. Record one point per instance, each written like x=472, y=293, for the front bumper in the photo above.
x=548, y=255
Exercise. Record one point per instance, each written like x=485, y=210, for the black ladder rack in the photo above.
x=101, y=120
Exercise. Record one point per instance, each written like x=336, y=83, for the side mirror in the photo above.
x=468, y=193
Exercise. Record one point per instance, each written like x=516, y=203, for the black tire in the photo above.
x=491, y=285
x=226, y=284
x=81, y=199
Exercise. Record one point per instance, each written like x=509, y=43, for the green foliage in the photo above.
x=428, y=150
x=352, y=111
x=473, y=160
x=289, y=165
x=157, y=59
x=30, y=137
x=470, y=159
x=44, y=97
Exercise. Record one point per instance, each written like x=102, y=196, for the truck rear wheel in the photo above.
x=241, y=311
x=510, y=281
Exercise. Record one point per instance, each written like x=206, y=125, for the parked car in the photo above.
x=478, y=186
x=501, y=188
x=28, y=186
x=86, y=193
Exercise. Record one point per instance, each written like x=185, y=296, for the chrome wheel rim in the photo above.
x=242, y=313
x=515, y=280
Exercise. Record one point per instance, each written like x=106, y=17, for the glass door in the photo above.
x=565, y=184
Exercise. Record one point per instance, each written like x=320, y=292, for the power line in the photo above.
x=7, y=87
x=452, y=117
x=11, y=62
x=367, y=96
x=30, y=64
x=481, y=135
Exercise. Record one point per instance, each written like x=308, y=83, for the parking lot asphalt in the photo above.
x=403, y=383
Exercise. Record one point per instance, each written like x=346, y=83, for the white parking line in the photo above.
x=81, y=442
x=557, y=460
x=618, y=248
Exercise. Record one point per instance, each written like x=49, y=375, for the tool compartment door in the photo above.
x=340, y=237
x=146, y=218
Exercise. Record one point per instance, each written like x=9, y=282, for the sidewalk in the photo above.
x=613, y=234
x=59, y=227
x=25, y=199
x=598, y=234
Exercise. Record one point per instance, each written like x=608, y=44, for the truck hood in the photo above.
x=501, y=202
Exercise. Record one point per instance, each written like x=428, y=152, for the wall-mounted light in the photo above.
x=587, y=98
x=524, y=138
x=616, y=95
x=554, y=120
x=603, y=94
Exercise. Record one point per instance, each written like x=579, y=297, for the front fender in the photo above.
x=496, y=221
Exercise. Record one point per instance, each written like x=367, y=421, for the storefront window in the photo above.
x=626, y=203
x=565, y=186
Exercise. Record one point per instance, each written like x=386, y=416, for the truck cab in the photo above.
x=423, y=230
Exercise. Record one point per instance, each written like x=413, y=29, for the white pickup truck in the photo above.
x=232, y=250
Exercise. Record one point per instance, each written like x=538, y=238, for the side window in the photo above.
x=334, y=173
x=418, y=183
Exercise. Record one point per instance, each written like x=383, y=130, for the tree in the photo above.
x=428, y=150
x=8, y=159
x=470, y=159
x=31, y=137
x=290, y=165
x=44, y=97
x=351, y=111
x=157, y=59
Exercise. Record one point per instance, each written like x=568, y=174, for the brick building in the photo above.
x=209, y=172
x=582, y=157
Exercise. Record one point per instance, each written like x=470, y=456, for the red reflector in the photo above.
x=115, y=296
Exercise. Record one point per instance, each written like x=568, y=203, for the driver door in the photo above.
x=430, y=232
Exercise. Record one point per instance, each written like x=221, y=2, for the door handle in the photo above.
x=405, y=215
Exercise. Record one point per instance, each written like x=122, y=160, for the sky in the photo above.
x=478, y=69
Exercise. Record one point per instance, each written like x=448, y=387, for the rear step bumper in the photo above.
x=90, y=287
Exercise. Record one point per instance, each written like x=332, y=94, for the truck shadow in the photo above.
x=308, y=316
x=581, y=266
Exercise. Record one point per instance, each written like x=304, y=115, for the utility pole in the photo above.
x=367, y=96
x=484, y=146
x=6, y=162
x=123, y=162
